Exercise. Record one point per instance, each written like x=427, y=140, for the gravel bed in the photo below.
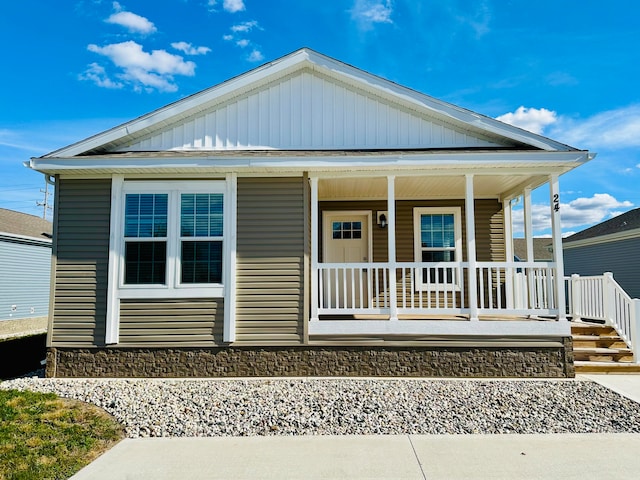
x=177, y=408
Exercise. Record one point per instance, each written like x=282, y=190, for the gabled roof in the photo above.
x=542, y=248
x=617, y=225
x=307, y=74
x=24, y=225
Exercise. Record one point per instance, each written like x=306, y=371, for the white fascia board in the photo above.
x=612, y=237
x=527, y=328
x=26, y=238
x=561, y=160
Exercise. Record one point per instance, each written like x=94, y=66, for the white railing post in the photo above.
x=635, y=329
x=608, y=298
x=575, y=298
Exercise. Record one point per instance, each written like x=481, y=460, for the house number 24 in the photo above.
x=556, y=202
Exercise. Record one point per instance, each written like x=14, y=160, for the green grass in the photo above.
x=43, y=436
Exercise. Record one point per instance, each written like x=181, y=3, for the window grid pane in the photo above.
x=346, y=230
x=146, y=215
x=145, y=263
x=201, y=215
x=201, y=262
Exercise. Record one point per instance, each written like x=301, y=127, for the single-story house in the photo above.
x=305, y=218
x=25, y=265
x=611, y=246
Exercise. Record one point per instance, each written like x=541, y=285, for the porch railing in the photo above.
x=602, y=298
x=520, y=288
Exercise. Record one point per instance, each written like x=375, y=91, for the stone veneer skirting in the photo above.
x=504, y=361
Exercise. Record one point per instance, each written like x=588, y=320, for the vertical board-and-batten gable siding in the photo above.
x=621, y=257
x=270, y=261
x=308, y=111
x=24, y=282
x=81, y=262
x=488, y=225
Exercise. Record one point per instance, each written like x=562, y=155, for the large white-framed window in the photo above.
x=170, y=239
x=438, y=240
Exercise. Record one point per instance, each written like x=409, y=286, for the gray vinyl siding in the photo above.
x=270, y=261
x=489, y=227
x=622, y=258
x=171, y=323
x=25, y=268
x=81, y=262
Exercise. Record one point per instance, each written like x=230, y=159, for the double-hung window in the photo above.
x=438, y=242
x=172, y=239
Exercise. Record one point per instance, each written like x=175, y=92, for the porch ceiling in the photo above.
x=423, y=187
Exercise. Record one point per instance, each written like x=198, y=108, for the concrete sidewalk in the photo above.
x=419, y=457
x=566, y=456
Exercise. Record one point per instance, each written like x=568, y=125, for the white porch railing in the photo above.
x=509, y=288
x=602, y=298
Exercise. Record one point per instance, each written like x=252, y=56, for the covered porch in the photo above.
x=430, y=253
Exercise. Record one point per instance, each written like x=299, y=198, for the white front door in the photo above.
x=346, y=240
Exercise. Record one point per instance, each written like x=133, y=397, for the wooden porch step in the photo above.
x=606, y=367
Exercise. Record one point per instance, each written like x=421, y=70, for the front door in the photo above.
x=347, y=240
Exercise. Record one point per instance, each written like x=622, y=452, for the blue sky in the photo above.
x=566, y=69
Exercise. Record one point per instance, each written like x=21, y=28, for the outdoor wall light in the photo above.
x=382, y=219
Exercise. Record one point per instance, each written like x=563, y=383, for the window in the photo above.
x=171, y=239
x=346, y=230
x=437, y=238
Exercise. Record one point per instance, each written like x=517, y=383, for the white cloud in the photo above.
x=228, y=38
x=532, y=119
x=153, y=70
x=189, y=49
x=369, y=12
x=245, y=27
x=584, y=211
x=255, y=56
x=612, y=129
x=97, y=74
x=134, y=23
x=233, y=6
x=242, y=43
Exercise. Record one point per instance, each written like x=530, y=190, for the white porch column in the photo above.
x=554, y=200
x=230, y=254
x=471, y=248
x=508, y=241
x=391, y=238
x=313, y=181
x=528, y=226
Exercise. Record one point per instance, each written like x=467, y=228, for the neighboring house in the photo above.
x=542, y=249
x=611, y=246
x=304, y=218
x=25, y=265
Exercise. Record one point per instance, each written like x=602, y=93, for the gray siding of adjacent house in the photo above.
x=81, y=258
x=270, y=261
x=621, y=257
x=24, y=282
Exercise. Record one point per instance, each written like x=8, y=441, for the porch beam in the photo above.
x=471, y=248
x=556, y=233
x=313, y=181
x=391, y=239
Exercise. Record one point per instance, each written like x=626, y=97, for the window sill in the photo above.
x=168, y=293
